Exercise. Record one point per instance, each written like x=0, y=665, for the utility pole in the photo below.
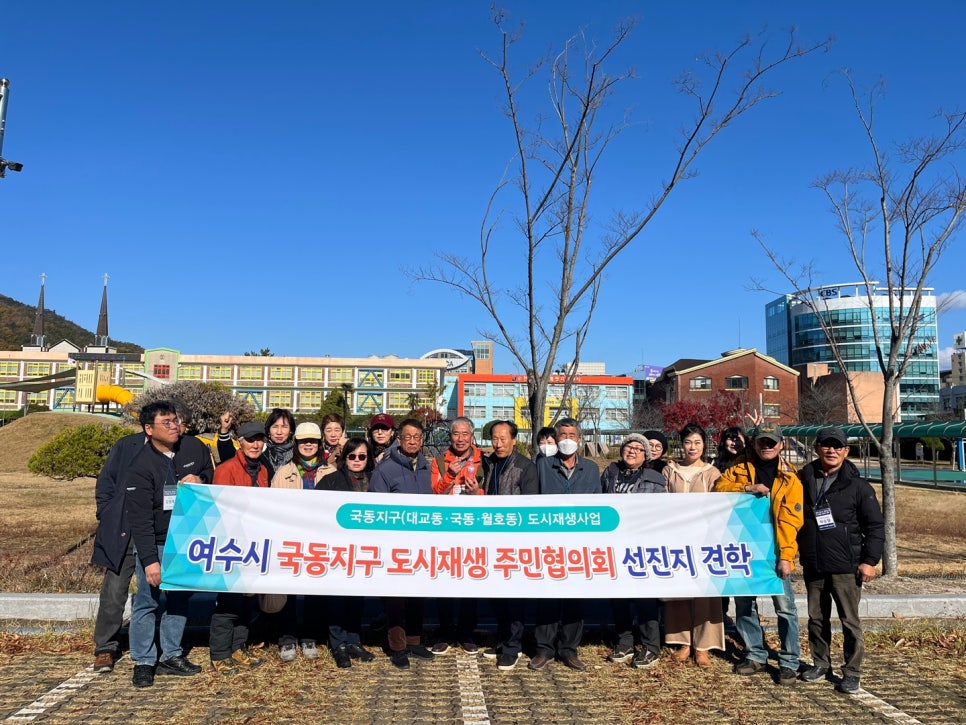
x=4, y=97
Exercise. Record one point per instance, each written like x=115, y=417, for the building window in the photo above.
x=474, y=390
x=504, y=390
x=401, y=376
x=340, y=375
x=310, y=400
x=37, y=369
x=397, y=401
x=372, y=378
x=590, y=413
x=8, y=397
x=770, y=410
x=9, y=368
x=771, y=383
x=736, y=382
x=162, y=371
x=700, y=383
x=280, y=399
x=555, y=391
x=311, y=375
x=189, y=372
x=616, y=415
x=481, y=350
x=503, y=412
x=475, y=412
x=250, y=373
x=219, y=372
x=616, y=392
x=281, y=375
x=255, y=397
x=425, y=377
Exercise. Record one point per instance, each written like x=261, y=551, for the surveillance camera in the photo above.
x=14, y=166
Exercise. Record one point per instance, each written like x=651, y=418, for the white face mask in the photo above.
x=567, y=447
x=548, y=449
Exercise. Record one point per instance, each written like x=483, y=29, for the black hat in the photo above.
x=656, y=435
x=834, y=434
x=250, y=430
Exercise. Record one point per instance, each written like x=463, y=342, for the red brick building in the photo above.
x=763, y=383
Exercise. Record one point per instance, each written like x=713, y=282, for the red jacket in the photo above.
x=234, y=472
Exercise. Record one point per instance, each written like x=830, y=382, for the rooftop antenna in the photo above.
x=4, y=97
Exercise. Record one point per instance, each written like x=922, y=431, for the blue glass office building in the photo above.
x=794, y=336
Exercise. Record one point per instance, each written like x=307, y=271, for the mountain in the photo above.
x=17, y=323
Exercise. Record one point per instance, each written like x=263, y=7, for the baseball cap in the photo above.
x=308, y=431
x=250, y=430
x=768, y=431
x=382, y=420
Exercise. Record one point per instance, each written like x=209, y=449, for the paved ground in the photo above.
x=458, y=688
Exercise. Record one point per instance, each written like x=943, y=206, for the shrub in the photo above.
x=203, y=402
x=76, y=452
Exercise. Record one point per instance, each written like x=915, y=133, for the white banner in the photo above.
x=242, y=539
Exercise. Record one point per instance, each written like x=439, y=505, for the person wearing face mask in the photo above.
x=694, y=624
x=345, y=613
x=560, y=622
x=546, y=443
x=631, y=475
x=760, y=471
x=507, y=473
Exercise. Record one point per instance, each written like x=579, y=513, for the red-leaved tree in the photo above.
x=719, y=411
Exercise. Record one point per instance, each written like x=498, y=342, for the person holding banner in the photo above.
x=405, y=471
x=631, y=475
x=694, y=624
x=507, y=473
x=760, y=471
x=560, y=622
x=345, y=613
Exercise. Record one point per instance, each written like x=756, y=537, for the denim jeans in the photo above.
x=144, y=610
x=749, y=627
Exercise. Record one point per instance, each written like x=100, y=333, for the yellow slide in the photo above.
x=114, y=394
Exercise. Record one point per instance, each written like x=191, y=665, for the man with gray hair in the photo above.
x=560, y=622
x=458, y=470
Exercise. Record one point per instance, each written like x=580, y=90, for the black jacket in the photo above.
x=113, y=532
x=337, y=481
x=145, y=483
x=517, y=475
x=617, y=479
x=859, y=532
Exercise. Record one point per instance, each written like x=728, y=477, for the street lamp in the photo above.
x=4, y=96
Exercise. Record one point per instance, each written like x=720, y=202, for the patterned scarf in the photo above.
x=307, y=470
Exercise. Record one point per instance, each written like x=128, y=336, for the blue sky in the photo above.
x=259, y=174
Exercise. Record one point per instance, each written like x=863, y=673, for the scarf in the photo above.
x=358, y=482
x=307, y=471
x=253, y=466
x=765, y=472
x=278, y=454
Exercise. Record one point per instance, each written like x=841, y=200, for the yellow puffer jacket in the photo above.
x=787, y=512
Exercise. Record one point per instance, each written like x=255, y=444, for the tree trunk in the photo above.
x=890, y=557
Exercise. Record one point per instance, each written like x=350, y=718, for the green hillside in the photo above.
x=17, y=323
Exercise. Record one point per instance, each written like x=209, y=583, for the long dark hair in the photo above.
x=689, y=430
x=351, y=446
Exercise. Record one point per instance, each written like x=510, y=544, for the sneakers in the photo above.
x=787, y=676
x=492, y=653
x=420, y=652
x=538, y=661
x=400, y=659
x=244, y=660
x=814, y=673
x=143, y=675
x=849, y=684
x=621, y=654
x=441, y=648
x=506, y=661
x=358, y=652
x=645, y=659
x=225, y=667
x=341, y=656
x=749, y=667
x=310, y=649
x=178, y=666
x=288, y=652
x=104, y=662
x=470, y=648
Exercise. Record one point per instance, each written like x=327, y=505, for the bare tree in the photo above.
x=898, y=215
x=559, y=257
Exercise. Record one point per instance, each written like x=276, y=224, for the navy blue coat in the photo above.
x=113, y=531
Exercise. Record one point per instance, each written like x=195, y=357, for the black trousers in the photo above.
x=560, y=626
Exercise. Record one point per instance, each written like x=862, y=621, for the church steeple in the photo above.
x=38, y=338
x=100, y=337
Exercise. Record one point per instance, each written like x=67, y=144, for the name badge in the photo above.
x=824, y=518
x=170, y=492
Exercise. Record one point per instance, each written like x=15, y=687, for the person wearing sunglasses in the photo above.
x=760, y=471
x=345, y=613
x=841, y=544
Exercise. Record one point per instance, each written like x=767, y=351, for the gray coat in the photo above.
x=516, y=475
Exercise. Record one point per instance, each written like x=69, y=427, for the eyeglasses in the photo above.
x=167, y=423
x=634, y=449
x=357, y=457
x=412, y=437
x=835, y=445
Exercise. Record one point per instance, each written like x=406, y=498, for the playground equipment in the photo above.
x=113, y=394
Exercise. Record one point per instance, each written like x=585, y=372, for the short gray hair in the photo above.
x=466, y=421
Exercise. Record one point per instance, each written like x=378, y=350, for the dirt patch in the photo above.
x=20, y=439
